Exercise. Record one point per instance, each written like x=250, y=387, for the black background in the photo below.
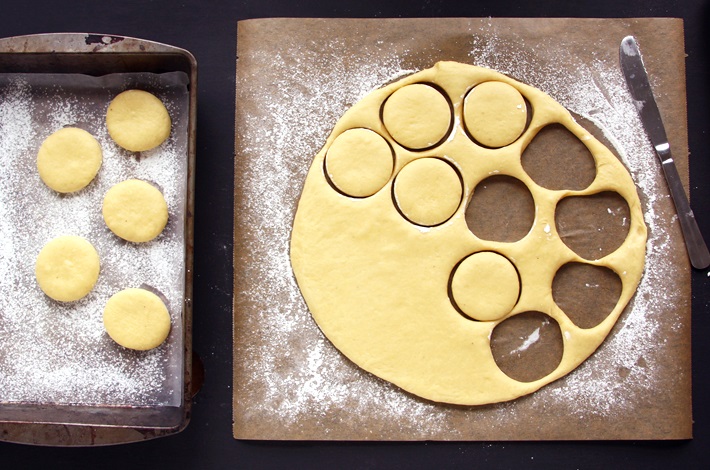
x=208, y=30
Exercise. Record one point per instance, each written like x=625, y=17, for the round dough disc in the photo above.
x=135, y=210
x=137, y=319
x=359, y=163
x=67, y=268
x=427, y=191
x=485, y=286
x=137, y=120
x=69, y=159
x=389, y=292
x=417, y=116
x=495, y=114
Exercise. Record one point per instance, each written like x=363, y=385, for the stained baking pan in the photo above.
x=63, y=381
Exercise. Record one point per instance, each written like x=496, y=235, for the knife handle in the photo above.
x=697, y=249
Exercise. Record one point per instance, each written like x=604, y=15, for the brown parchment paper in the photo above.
x=295, y=78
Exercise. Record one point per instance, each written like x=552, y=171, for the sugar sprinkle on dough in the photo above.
x=69, y=159
x=135, y=210
x=67, y=268
x=136, y=319
x=137, y=120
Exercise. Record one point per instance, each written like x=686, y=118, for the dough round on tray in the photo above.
x=136, y=319
x=416, y=303
x=67, y=268
x=135, y=210
x=137, y=120
x=69, y=159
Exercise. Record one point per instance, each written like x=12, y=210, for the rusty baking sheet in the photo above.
x=64, y=381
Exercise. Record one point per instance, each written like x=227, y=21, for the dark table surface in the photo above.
x=208, y=30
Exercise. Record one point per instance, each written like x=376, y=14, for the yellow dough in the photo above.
x=485, y=286
x=359, y=163
x=137, y=319
x=137, y=120
x=67, y=268
x=495, y=114
x=378, y=285
x=135, y=210
x=417, y=116
x=427, y=191
x=69, y=159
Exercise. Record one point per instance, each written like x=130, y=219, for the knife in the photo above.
x=637, y=80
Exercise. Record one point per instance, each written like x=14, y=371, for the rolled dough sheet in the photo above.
x=292, y=87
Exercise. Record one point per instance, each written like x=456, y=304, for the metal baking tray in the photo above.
x=80, y=424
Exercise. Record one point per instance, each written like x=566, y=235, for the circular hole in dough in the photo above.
x=359, y=162
x=527, y=346
x=69, y=159
x=67, y=268
x=417, y=116
x=137, y=120
x=586, y=293
x=495, y=114
x=135, y=210
x=593, y=226
x=501, y=209
x=427, y=191
x=556, y=147
x=136, y=319
x=485, y=286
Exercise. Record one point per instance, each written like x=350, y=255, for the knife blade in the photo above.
x=637, y=80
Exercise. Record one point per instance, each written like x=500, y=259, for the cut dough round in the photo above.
x=67, y=268
x=137, y=120
x=385, y=290
x=359, y=163
x=135, y=210
x=417, y=116
x=495, y=114
x=69, y=159
x=485, y=286
x=427, y=191
x=137, y=319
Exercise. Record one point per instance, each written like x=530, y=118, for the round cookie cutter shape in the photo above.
x=376, y=284
x=418, y=116
x=427, y=191
x=69, y=159
x=359, y=162
x=485, y=286
x=135, y=210
x=138, y=120
x=495, y=114
x=67, y=268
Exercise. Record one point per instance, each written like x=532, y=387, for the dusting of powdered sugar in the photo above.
x=59, y=353
x=318, y=380
x=292, y=373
